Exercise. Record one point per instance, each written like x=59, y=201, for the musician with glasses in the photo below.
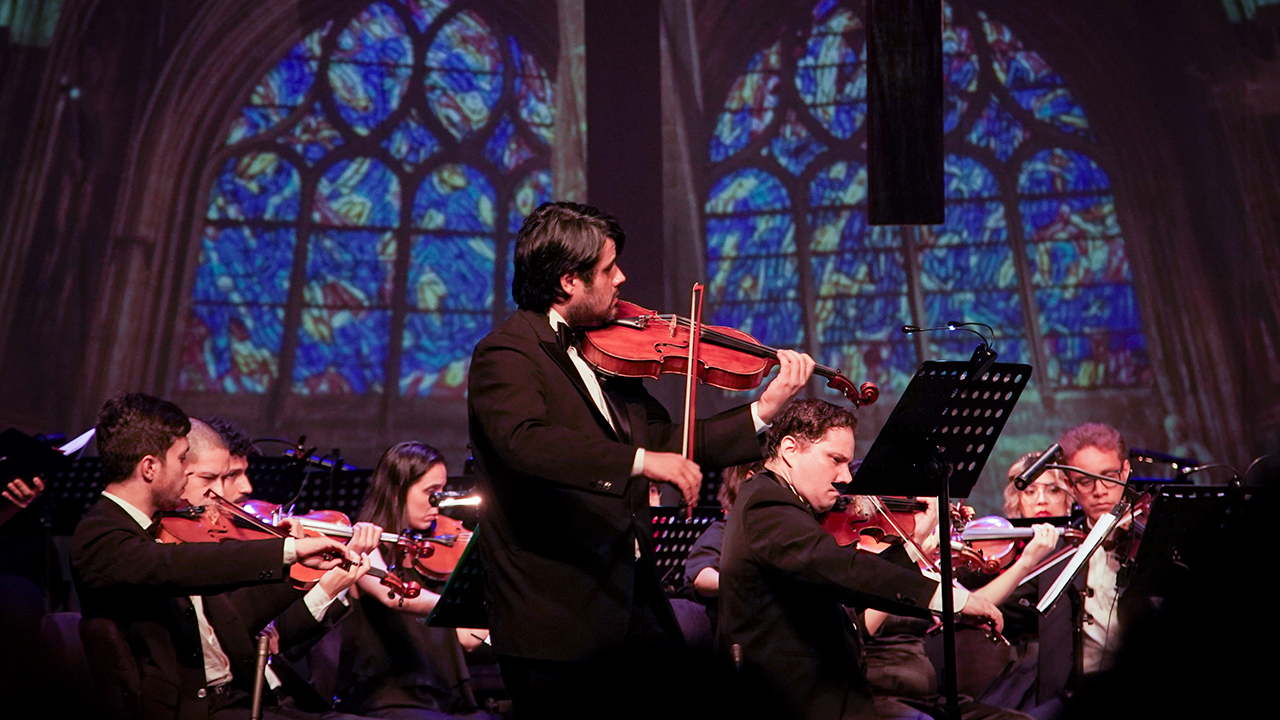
x=1048, y=496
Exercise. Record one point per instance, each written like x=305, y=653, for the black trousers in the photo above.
x=599, y=686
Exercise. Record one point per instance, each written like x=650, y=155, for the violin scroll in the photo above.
x=865, y=394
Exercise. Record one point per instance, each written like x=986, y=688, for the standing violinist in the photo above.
x=143, y=599
x=564, y=459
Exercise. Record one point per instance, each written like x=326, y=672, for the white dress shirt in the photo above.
x=217, y=666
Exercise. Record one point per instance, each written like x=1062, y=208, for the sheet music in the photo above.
x=1087, y=548
x=78, y=444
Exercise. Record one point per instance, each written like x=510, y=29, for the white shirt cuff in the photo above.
x=959, y=594
x=318, y=601
x=290, y=551
x=761, y=425
x=637, y=465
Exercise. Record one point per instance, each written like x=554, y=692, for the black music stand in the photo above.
x=674, y=535
x=462, y=602
x=936, y=442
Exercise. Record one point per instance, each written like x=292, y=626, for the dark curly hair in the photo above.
x=558, y=239
x=236, y=439
x=806, y=420
x=134, y=425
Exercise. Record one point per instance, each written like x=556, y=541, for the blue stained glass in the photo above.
x=1069, y=218
x=1032, y=83
x=1078, y=262
x=861, y=319
x=1055, y=106
x=465, y=78
x=955, y=346
x=532, y=191
x=231, y=348
x=313, y=137
x=1096, y=308
x=747, y=190
x=980, y=223
x=533, y=92
x=367, y=94
x=748, y=109
x=846, y=274
x=750, y=236
x=967, y=267
x=350, y=269
x=847, y=230
x=997, y=308
x=244, y=265
x=842, y=184
x=968, y=179
x=890, y=365
x=960, y=62
x=455, y=197
x=425, y=12
x=1112, y=359
x=375, y=36
x=451, y=274
x=257, y=186
x=360, y=192
x=1061, y=171
x=794, y=146
x=281, y=90
x=998, y=131
x=753, y=279
x=506, y=149
x=341, y=352
x=437, y=352
x=831, y=77
x=778, y=323
x=410, y=142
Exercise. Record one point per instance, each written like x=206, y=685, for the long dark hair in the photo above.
x=400, y=467
x=558, y=239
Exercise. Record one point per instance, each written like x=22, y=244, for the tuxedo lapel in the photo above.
x=547, y=339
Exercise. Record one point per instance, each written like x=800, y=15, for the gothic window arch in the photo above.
x=357, y=237
x=1031, y=243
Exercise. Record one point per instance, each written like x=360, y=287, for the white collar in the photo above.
x=140, y=517
x=556, y=319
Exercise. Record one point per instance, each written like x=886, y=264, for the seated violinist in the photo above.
x=150, y=594
x=393, y=664
x=236, y=486
x=783, y=579
x=305, y=620
x=1048, y=496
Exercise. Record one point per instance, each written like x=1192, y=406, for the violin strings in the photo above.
x=734, y=343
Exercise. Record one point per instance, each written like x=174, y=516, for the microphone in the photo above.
x=1035, y=469
x=454, y=498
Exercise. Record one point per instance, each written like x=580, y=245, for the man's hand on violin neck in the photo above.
x=322, y=553
x=794, y=371
x=674, y=469
x=983, y=610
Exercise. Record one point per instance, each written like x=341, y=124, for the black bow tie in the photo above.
x=567, y=337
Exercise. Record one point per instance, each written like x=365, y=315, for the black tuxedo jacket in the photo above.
x=122, y=573
x=783, y=584
x=562, y=512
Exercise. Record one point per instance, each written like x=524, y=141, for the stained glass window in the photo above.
x=361, y=228
x=1030, y=244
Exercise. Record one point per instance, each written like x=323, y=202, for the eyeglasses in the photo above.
x=1086, y=484
x=1052, y=492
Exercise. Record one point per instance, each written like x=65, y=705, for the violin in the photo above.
x=454, y=537
x=643, y=343
x=220, y=520
x=995, y=540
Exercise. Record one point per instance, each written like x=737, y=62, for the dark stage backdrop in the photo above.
x=299, y=214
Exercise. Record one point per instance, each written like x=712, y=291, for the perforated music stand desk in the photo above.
x=936, y=442
x=674, y=535
x=462, y=602
x=945, y=424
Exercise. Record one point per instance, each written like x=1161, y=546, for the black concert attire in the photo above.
x=147, y=594
x=784, y=583
x=565, y=536
x=392, y=665
x=703, y=554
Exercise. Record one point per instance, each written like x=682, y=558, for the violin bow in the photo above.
x=691, y=374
